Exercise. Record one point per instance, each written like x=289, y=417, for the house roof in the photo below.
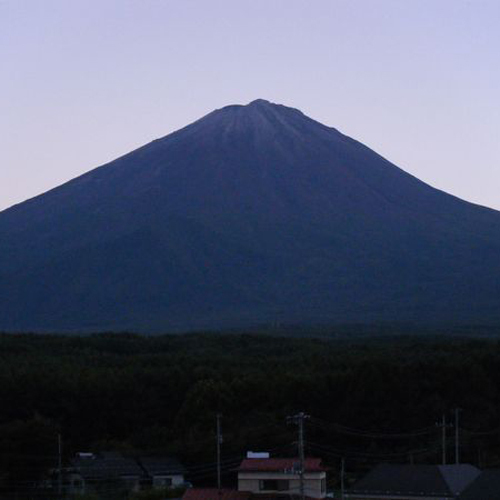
x=213, y=494
x=106, y=466
x=417, y=480
x=485, y=486
x=157, y=466
x=279, y=465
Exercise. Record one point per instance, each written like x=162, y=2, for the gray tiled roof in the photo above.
x=486, y=486
x=417, y=480
x=161, y=466
x=106, y=466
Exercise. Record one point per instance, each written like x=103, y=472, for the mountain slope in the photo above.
x=250, y=215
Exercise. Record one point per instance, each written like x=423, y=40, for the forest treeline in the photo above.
x=370, y=399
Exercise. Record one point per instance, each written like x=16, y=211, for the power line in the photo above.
x=373, y=435
x=338, y=453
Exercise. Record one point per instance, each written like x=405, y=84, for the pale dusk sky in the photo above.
x=85, y=81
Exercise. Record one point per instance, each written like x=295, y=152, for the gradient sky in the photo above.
x=85, y=81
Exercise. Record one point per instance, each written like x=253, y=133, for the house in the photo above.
x=281, y=476
x=91, y=472
x=163, y=472
x=485, y=487
x=215, y=494
x=405, y=482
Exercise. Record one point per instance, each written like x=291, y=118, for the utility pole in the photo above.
x=299, y=420
x=457, y=435
x=59, y=463
x=342, y=474
x=219, y=442
x=443, y=426
x=443, y=430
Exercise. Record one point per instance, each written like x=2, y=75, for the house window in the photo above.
x=273, y=485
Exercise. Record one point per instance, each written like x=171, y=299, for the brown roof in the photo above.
x=279, y=465
x=213, y=494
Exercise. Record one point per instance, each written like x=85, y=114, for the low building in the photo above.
x=91, y=472
x=406, y=482
x=281, y=477
x=163, y=472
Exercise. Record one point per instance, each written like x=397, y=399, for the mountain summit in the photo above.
x=251, y=215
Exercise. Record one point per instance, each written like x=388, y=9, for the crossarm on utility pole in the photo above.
x=299, y=420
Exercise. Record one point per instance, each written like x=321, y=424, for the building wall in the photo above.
x=168, y=480
x=131, y=483
x=76, y=484
x=251, y=481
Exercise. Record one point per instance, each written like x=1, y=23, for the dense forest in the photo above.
x=370, y=399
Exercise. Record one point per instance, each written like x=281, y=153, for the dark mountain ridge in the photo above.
x=250, y=215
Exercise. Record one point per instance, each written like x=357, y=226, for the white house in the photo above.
x=281, y=477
